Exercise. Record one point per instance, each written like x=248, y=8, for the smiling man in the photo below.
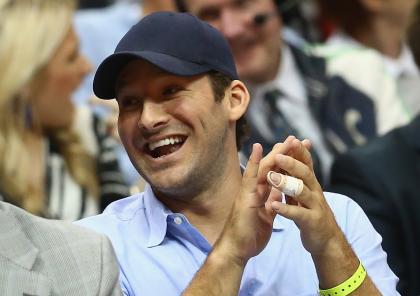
x=181, y=109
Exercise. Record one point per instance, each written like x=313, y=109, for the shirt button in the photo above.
x=178, y=220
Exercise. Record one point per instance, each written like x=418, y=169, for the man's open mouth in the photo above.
x=165, y=146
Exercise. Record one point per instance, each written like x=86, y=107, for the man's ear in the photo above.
x=238, y=100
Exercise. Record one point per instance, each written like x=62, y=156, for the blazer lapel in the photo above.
x=345, y=114
x=18, y=256
x=411, y=135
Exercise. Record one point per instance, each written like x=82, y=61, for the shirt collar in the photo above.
x=403, y=65
x=157, y=216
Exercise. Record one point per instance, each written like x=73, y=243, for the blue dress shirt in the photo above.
x=159, y=251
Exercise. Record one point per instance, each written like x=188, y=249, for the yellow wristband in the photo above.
x=348, y=286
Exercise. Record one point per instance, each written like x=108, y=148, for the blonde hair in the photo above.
x=30, y=33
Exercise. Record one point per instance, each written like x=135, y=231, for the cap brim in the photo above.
x=108, y=71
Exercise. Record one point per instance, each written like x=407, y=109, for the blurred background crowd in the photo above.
x=344, y=74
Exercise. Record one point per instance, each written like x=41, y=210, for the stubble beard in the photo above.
x=199, y=177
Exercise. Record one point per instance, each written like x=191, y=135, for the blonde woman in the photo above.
x=55, y=160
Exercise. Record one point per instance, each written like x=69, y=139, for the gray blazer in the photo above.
x=49, y=257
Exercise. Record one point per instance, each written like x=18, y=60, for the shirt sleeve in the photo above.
x=365, y=241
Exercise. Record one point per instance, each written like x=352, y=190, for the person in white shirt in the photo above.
x=381, y=26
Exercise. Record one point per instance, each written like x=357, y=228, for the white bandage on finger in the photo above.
x=289, y=185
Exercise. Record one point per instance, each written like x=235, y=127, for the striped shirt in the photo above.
x=67, y=200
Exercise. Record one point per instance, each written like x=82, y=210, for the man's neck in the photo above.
x=269, y=74
x=209, y=209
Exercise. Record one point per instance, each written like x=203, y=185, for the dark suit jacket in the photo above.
x=49, y=257
x=330, y=99
x=384, y=178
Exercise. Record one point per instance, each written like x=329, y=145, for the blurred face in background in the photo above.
x=256, y=47
x=52, y=105
x=395, y=12
x=398, y=12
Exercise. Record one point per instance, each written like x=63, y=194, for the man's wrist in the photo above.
x=224, y=253
x=349, y=285
x=336, y=264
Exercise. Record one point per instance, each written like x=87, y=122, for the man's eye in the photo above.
x=128, y=102
x=171, y=90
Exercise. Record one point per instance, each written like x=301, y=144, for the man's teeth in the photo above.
x=164, y=142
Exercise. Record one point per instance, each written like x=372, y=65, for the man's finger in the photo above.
x=249, y=179
x=268, y=163
x=299, y=170
x=296, y=213
x=293, y=188
x=301, y=152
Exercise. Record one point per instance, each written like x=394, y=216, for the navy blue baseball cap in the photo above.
x=178, y=43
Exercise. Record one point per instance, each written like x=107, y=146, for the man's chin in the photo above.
x=170, y=190
x=168, y=182
x=252, y=76
x=256, y=69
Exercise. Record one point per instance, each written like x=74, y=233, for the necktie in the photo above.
x=281, y=128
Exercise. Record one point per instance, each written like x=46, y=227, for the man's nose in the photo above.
x=153, y=116
x=232, y=24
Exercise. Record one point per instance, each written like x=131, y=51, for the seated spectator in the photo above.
x=363, y=69
x=383, y=178
x=45, y=257
x=379, y=25
x=291, y=91
x=56, y=160
x=181, y=116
